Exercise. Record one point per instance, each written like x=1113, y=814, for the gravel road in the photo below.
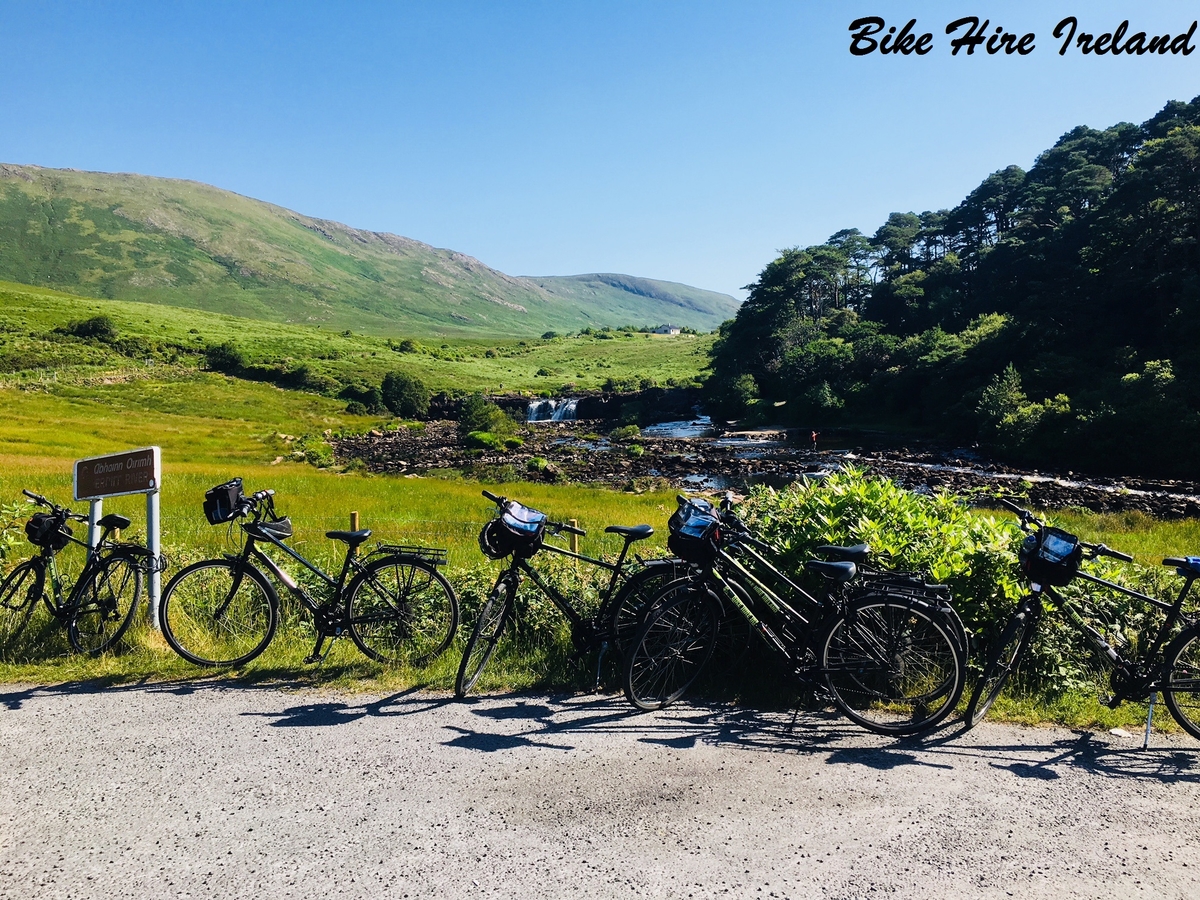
x=209, y=789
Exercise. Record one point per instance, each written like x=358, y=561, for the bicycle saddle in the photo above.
x=631, y=533
x=353, y=538
x=112, y=520
x=838, y=571
x=856, y=554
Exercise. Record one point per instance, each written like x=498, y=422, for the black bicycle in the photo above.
x=394, y=603
x=520, y=532
x=98, y=609
x=1166, y=662
x=887, y=651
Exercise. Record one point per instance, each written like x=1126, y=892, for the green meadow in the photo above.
x=82, y=398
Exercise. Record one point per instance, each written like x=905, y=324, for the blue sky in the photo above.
x=685, y=141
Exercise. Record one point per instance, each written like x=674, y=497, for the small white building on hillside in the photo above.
x=667, y=329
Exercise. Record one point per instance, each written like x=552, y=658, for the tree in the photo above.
x=405, y=395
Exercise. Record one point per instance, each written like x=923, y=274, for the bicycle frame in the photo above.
x=521, y=566
x=1147, y=681
x=252, y=551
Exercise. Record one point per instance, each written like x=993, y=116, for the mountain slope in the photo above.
x=680, y=304
x=182, y=243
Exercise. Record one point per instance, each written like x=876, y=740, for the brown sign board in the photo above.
x=132, y=472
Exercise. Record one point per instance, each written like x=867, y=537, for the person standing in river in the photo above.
x=815, y=435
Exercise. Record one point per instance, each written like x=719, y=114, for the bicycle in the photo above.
x=889, y=658
x=98, y=609
x=1168, y=664
x=519, y=532
x=394, y=603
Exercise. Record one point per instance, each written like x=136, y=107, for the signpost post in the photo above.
x=117, y=475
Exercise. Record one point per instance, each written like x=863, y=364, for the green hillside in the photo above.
x=180, y=243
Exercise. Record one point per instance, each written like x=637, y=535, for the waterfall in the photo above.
x=551, y=410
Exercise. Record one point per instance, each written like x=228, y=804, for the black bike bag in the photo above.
x=695, y=531
x=1050, y=556
x=222, y=503
x=47, y=530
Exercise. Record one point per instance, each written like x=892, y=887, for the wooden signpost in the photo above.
x=117, y=475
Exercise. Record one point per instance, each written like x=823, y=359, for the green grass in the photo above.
x=186, y=244
x=160, y=343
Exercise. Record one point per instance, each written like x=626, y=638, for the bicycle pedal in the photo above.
x=1110, y=701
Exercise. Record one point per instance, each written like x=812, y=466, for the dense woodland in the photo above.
x=1053, y=315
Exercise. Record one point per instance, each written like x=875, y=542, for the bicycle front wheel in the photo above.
x=672, y=646
x=893, y=665
x=493, y=616
x=218, y=613
x=1003, y=659
x=402, y=611
x=631, y=601
x=105, y=604
x=19, y=594
x=1181, y=684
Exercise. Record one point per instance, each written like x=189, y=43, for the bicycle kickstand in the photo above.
x=1149, y=720
x=599, y=666
x=317, y=656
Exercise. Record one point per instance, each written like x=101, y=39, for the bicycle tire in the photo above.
x=630, y=602
x=218, y=613
x=19, y=597
x=892, y=665
x=493, y=617
x=672, y=646
x=401, y=610
x=1181, y=680
x=104, y=604
x=1004, y=657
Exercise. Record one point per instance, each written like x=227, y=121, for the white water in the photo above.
x=552, y=410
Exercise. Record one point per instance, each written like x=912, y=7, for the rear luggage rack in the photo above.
x=435, y=556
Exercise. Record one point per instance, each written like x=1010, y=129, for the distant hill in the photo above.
x=182, y=243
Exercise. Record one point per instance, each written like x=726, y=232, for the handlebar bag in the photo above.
x=518, y=529
x=1050, y=556
x=47, y=530
x=695, y=531
x=222, y=503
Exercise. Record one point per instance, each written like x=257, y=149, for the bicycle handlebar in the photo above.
x=569, y=529
x=1101, y=550
x=499, y=501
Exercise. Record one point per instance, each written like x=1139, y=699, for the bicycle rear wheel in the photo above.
x=1181, y=683
x=893, y=665
x=19, y=594
x=218, y=613
x=493, y=616
x=1003, y=659
x=672, y=646
x=104, y=605
x=402, y=610
x=632, y=599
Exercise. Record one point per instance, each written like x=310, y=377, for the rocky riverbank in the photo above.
x=580, y=452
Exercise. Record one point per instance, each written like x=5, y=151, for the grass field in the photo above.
x=212, y=427
x=159, y=343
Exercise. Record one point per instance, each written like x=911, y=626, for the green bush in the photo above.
x=975, y=554
x=405, y=395
x=480, y=414
x=484, y=440
x=625, y=433
x=99, y=328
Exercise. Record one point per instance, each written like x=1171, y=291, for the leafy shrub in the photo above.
x=366, y=394
x=635, y=450
x=405, y=395
x=99, y=328
x=225, y=358
x=625, y=433
x=484, y=440
x=356, y=408
x=313, y=449
x=976, y=555
x=480, y=414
